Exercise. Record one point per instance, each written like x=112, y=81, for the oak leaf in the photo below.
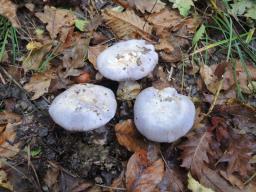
x=195, y=151
x=239, y=154
x=143, y=174
x=128, y=136
x=73, y=57
x=56, y=19
x=40, y=83
x=127, y=24
x=151, y=6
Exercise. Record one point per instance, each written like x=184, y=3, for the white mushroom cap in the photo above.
x=163, y=115
x=127, y=60
x=83, y=107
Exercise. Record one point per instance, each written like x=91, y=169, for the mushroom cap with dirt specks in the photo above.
x=83, y=107
x=127, y=60
x=163, y=115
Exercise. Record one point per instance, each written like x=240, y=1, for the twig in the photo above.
x=2, y=79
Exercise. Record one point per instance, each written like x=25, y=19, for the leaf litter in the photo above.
x=124, y=160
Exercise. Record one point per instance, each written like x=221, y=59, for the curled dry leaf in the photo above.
x=211, y=81
x=93, y=52
x=128, y=136
x=151, y=6
x=56, y=19
x=39, y=83
x=233, y=179
x=142, y=174
x=8, y=123
x=8, y=10
x=127, y=24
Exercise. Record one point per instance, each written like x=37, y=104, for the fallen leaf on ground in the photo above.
x=119, y=182
x=127, y=24
x=239, y=154
x=165, y=21
x=183, y=6
x=151, y=6
x=211, y=179
x=56, y=19
x=4, y=182
x=172, y=180
x=40, y=83
x=233, y=179
x=73, y=57
x=93, y=52
x=143, y=174
x=195, y=151
x=195, y=186
x=36, y=55
x=243, y=116
x=211, y=81
x=8, y=123
x=8, y=10
x=128, y=136
x=51, y=178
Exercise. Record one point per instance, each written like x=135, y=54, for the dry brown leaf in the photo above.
x=4, y=182
x=8, y=123
x=211, y=179
x=243, y=116
x=165, y=21
x=39, y=83
x=128, y=136
x=93, y=52
x=119, y=182
x=239, y=154
x=8, y=10
x=233, y=179
x=127, y=24
x=56, y=19
x=195, y=151
x=211, y=81
x=73, y=57
x=172, y=180
x=143, y=175
x=35, y=57
x=51, y=178
x=151, y=6
x=169, y=52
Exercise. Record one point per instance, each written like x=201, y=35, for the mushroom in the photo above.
x=127, y=61
x=163, y=115
x=83, y=107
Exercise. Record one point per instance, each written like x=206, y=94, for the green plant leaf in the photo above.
x=81, y=24
x=198, y=35
x=251, y=12
x=183, y=6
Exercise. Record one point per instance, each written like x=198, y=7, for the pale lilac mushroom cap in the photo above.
x=83, y=107
x=127, y=60
x=163, y=115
